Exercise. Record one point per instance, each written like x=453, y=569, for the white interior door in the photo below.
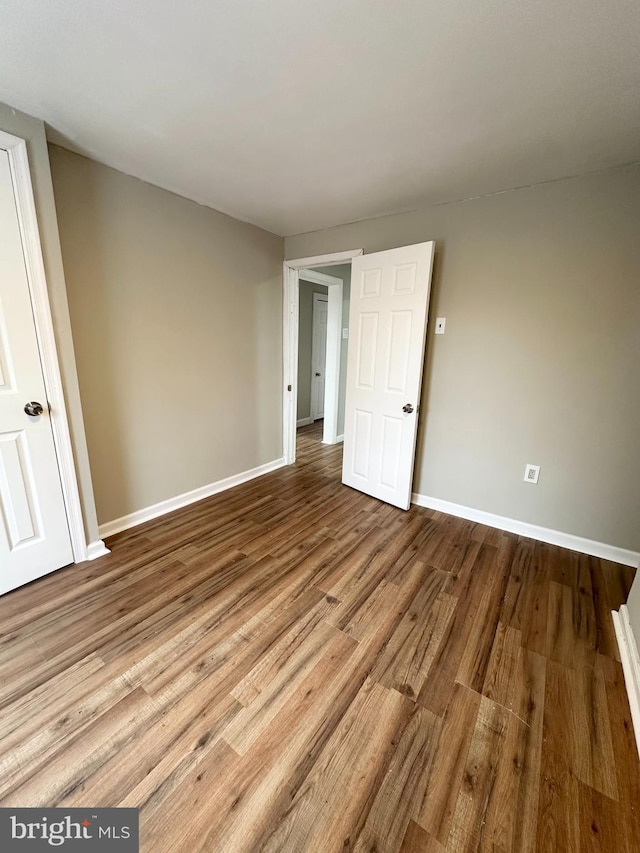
x=34, y=534
x=387, y=328
x=318, y=354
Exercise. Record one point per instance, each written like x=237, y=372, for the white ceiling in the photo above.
x=300, y=114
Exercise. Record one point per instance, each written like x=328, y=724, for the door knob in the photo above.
x=33, y=409
x=408, y=408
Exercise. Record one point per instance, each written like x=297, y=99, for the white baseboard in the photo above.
x=142, y=515
x=97, y=549
x=630, y=664
x=304, y=422
x=340, y=438
x=532, y=531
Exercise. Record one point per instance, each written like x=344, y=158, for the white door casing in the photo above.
x=318, y=354
x=34, y=531
x=387, y=322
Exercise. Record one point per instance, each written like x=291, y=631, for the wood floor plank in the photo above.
x=518, y=771
x=478, y=777
x=408, y=656
x=417, y=840
x=331, y=806
x=163, y=827
x=600, y=819
x=50, y=781
x=403, y=789
x=566, y=640
x=517, y=605
x=594, y=759
x=295, y=666
x=164, y=751
x=455, y=645
x=95, y=689
x=404, y=549
x=361, y=569
x=439, y=803
x=535, y=617
x=559, y=799
x=474, y=661
x=361, y=617
x=275, y=693
x=625, y=748
x=503, y=681
x=242, y=802
x=610, y=589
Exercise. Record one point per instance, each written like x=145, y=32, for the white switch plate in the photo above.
x=345, y=334
x=441, y=322
x=531, y=474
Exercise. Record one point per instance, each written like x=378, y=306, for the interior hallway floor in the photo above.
x=294, y=666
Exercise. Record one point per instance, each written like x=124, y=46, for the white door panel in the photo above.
x=388, y=319
x=34, y=535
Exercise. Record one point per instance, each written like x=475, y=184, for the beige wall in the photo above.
x=540, y=288
x=305, y=340
x=176, y=312
x=32, y=130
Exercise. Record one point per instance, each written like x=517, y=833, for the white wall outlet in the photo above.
x=531, y=474
x=345, y=334
x=441, y=322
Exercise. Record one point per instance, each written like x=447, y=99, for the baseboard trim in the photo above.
x=304, y=422
x=97, y=549
x=630, y=664
x=532, y=531
x=162, y=508
x=340, y=438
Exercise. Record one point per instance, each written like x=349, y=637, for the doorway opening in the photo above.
x=323, y=323
x=311, y=401
x=388, y=316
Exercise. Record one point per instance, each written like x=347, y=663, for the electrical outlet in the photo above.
x=441, y=322
x=531, y=474
x=345, y=334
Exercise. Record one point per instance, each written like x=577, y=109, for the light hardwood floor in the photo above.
x=293, y=666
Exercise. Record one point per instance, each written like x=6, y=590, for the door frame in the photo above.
x=16, y=149
x=328, y=361
x=293, y=270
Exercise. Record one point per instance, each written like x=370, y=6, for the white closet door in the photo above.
x=34, y=534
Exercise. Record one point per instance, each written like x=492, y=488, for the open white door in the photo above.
x=34, y=534
x=387, y=323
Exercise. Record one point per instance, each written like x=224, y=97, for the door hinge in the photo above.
x=288, y=387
